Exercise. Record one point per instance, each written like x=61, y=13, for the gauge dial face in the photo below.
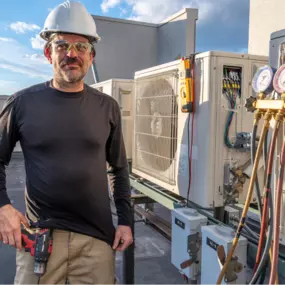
x=262, y=79
x=279, y=80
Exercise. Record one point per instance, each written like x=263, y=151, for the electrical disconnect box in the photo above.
x=122, y=91
x=186, y=241
x=203, y=156
x=213, y=237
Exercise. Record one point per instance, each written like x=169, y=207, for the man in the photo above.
x=68, y=133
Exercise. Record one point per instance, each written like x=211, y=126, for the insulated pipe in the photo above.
x=277, y=217
x=265, y=128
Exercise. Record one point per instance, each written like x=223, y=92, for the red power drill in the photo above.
x=39, y=243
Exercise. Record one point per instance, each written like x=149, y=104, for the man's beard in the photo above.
x=70, y=75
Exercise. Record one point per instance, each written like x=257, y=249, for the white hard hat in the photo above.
x=70, y=17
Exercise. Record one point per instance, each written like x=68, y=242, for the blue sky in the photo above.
x=222, y=25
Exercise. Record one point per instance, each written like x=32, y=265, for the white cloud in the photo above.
x=24, y=70
x=22, y=27
x=23, y=61
x=157, y=11
x=6, y=40
x=107, y=4
x=123, y=11
x=39, y=57
x=222, y=24
x=8, y=87
x=37, y=42
x=7, y=82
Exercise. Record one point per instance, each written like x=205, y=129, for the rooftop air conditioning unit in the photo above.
x=122, y=91
x=221, y=134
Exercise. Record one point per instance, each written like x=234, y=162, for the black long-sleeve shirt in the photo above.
x=68, y=139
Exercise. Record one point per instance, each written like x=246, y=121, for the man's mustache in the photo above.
x=70, y=60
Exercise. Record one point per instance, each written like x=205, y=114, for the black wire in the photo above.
x=253, y=152
x=251, y=232
x=188, y=137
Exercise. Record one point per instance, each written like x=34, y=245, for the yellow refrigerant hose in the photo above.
x=267, y=118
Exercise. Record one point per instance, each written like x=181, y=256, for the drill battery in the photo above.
x=38, y=242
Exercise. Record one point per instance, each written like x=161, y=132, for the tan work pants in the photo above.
x=75, y=258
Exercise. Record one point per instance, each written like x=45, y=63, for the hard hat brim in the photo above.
x=45, y=35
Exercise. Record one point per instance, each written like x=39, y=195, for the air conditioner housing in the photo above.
x=122, y=91
x=162, y=133
x=219, y=235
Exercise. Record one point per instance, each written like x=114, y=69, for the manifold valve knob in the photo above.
x=249, y=104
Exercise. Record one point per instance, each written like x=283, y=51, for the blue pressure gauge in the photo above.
x=262, y=80
x=279, y=80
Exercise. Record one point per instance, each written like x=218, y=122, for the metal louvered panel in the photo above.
x=155, y=127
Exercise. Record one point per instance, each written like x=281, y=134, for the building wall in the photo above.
x=176, y=36
x=124, y=47
x=127, y=46
x=266, y=16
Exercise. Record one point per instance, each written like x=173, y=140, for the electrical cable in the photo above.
x=231, y=90
x=277, y=205
x=247, y=228
x=190, y=145
x=267, y=190
x=251, y=232
x=265, y=128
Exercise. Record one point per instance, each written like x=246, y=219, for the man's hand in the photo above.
x=10, y=226
x=123, y=238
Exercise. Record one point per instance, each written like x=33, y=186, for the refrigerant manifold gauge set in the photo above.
x=266, y=79
x=279, y=80
x=262, y=80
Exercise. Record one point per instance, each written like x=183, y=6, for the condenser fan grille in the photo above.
x=155, y=127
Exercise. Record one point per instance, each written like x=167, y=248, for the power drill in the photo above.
x=38, y=242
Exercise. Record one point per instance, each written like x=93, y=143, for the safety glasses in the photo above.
x=62, y=46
